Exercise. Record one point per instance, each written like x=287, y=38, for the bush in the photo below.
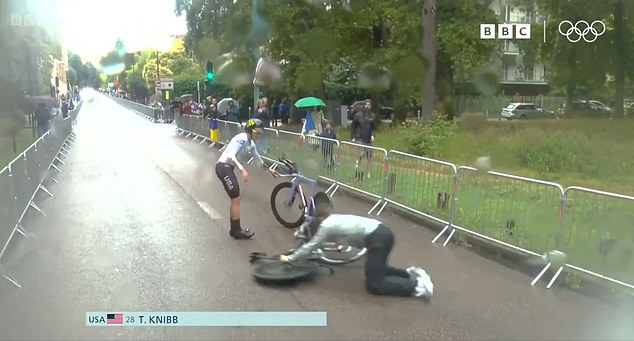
x=556, y=152
x=429, y=140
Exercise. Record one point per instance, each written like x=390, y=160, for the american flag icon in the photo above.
x=114, y=318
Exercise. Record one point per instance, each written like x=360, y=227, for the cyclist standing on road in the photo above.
x=381, y=279
x=236, y=148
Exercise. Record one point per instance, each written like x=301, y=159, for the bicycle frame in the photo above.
x=296, y=186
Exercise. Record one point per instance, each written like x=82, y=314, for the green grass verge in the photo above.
x=23, y=138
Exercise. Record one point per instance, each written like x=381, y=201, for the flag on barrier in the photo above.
x=309, y=123
x=213, y=129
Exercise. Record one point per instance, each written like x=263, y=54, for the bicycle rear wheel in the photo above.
x=285, y=203
x=339, y=254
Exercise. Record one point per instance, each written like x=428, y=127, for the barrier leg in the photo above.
x=382, y=208
x=56, y=168
x=541, y=273
x=334, y=190
x=21, y=230
x=440, y=234
x=62, y=154
x=32, y=204
x=195, y=138
x=9, y=277
x=59, y=160
x=552, y=281
x=41, y=187
x=375, y=206
x=453, y=231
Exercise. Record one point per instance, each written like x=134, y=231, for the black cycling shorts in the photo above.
x=225, y=173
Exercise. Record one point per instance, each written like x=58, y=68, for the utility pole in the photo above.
x=429, y=53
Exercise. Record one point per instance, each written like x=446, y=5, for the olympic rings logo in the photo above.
x=581, y=29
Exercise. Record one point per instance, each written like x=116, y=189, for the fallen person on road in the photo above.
x=381, y=279
x=228, y=161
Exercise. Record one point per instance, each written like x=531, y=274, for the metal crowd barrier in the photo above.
x=598, y=234
x=145, y=111
x=593, y=229
x=24, y=177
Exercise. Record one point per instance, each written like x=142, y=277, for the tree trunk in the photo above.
x=429, y=53
x=620, y=58
x=571, y=83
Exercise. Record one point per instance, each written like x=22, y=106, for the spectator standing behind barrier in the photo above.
x=263, y=112
x=263, y=115
x=42, y=119
x=232, y=112
x=327, y=146
x=283, y=111
x=313, y=127
x=363, y=128
x=65, y=106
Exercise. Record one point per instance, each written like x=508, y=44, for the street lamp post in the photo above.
x=158, y=69
x=257, y=55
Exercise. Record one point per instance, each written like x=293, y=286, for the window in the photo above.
x=529, y=72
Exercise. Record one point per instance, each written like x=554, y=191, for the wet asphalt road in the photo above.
x=140, y=223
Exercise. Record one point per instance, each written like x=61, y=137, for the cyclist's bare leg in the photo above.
x=234, y=210
x=234, y=214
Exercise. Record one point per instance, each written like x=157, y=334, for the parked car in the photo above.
x=525, y=111
x=589, y=108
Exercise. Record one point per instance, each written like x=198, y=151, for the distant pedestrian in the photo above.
x=327, y=146
x=362, y=129
x=42, y=119
x=283, y=111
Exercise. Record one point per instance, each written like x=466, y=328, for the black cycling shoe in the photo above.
x=242, y=234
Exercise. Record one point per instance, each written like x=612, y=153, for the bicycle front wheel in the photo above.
x=288, y=208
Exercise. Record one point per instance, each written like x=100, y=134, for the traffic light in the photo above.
x=210, y=71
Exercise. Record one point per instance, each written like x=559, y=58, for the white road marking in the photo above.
x=213, y=214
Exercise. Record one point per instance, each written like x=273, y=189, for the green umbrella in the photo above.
x=309, y=102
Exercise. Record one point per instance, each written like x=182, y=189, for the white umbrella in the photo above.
x=224, y=103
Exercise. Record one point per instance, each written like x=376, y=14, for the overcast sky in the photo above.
x=91, y=27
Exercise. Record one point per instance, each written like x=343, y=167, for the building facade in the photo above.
x=516, y=75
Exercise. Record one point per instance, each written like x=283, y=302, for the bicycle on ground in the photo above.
x=290, y=196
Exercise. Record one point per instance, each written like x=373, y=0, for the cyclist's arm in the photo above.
x=307, y=249
x=256, y=156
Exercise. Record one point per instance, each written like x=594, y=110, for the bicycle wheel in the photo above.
x=338, y=254
x=280, y=203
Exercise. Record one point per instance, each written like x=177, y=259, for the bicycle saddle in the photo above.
x=289, y=164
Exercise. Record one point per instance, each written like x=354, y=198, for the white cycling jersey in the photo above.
x=239, y=147
x=352, y=228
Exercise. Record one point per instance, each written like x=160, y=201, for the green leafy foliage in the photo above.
x=333, y=48
x=429, y=140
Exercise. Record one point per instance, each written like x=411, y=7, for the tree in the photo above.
x=573, y=66
x=380, y=39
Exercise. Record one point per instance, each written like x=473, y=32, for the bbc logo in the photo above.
x=505, y=31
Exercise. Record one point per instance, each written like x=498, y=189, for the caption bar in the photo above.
x=208, y=319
